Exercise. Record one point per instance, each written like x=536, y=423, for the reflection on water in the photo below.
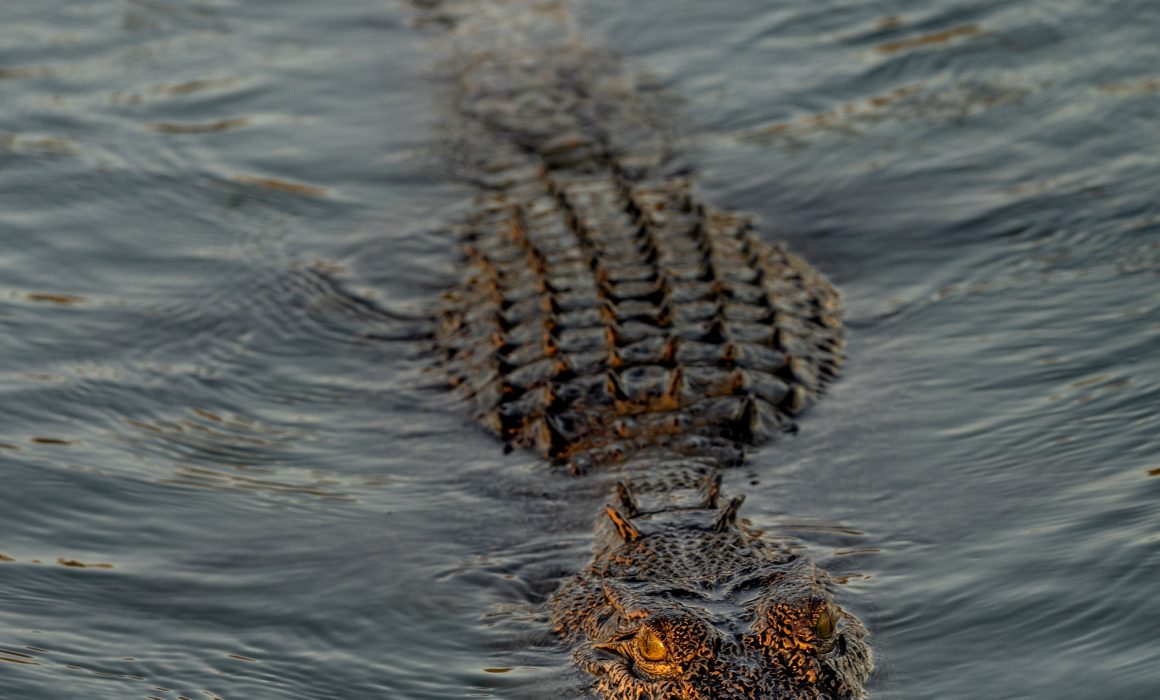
x=940, y=37
x=219, y=125
x=277, y=185
x=228, y=473
x=941, y=104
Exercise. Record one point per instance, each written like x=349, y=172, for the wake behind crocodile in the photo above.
x=611, y=321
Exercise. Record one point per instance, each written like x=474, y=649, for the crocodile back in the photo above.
x=600, y=315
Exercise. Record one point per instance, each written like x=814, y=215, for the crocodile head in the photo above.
x=696, y=614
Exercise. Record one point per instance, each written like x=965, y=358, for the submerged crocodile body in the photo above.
x=613, y=323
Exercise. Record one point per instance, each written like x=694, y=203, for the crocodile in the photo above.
x=611, y=321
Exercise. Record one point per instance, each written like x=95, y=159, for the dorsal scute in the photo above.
x=599, y=316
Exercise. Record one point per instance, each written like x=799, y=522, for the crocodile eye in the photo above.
x=650, y=647
x=826, y=625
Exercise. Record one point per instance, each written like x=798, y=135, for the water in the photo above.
x=222, y=222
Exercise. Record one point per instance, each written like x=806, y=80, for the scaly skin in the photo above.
x=612, y=322
x=683, y=601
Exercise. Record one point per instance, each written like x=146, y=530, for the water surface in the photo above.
x=228, y=473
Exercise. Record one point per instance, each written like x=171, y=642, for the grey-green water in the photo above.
x=218, y=220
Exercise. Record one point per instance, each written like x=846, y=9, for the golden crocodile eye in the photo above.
x=650, y=647
x=826, y=625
